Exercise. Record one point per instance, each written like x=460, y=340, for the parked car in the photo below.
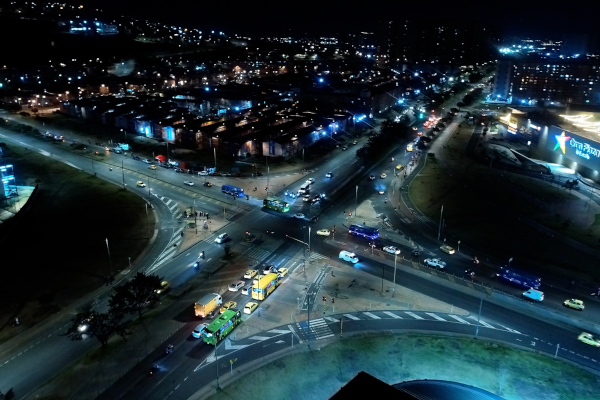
x=152, y=167
x=135, y=157
x=147, y=161
x=189, y=183
x=207, y=184
x=323, y=232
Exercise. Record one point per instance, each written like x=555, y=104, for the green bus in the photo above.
x=220, y=327
x=277, y=205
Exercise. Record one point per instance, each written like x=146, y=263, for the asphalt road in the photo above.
x=276, y=248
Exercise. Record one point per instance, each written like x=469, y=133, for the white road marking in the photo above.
x=459, y=319
x=351, y=317
x=391, y=314
x=435, y=316
x=415, y=316
x=368, y=314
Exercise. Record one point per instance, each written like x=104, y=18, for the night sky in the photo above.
x=322, y=17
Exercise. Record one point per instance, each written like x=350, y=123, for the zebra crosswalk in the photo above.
x=319, y=329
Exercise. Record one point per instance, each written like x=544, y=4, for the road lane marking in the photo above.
x=391, y=314
x=351, y=317
x=368, y=314
x=415, y=316
x=462, y=321
x=435, y=316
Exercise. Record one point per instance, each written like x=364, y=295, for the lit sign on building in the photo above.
x=574, y=148
x=511, y=123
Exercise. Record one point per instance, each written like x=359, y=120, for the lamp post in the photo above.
x=356, y=202
x=123, y=172
x=307, y=246
x=215, y=152
x=458, y=249
x=109, y=260
x=440, y=227
x=394, y=289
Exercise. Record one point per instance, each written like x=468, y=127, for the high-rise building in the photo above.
x=534, y=80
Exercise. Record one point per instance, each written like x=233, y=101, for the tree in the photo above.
x=102, y=326
x=136, y=295
x=460, y=105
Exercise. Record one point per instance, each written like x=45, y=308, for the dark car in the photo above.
x=314, y=219
x=208, y=184
x=135, y=157
x=416, y=253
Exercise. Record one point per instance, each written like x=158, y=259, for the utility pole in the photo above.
x=394, y=290
x=356, y=203
x=440, y=227
x=109, y=260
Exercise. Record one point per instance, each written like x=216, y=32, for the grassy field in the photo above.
x=509, y=373
x=58, y=250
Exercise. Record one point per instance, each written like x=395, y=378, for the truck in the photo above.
x=207, y=305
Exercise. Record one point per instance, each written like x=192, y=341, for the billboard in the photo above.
x=575, y=148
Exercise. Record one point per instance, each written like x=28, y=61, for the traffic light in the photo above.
x=324, y=298
x=332, y=300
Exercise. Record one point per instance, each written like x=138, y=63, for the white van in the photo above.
x=347, y=256
x=533, y=294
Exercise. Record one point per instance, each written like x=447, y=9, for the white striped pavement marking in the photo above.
x=368, y=314
x=317, y=322
x=168, y=202
x=294, y=333
x=261, y=338
x=331, y=319
x=435, y=316
x=351, y=317
x=415, y=316
x=459, y=319
x=326, y=336
x=278, y=331
x=171, y=208
x=391, y=314
x=481, y=322
x=510, y=330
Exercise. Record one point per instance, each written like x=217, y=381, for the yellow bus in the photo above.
x=265, y=286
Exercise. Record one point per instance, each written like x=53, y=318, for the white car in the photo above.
x=323, y=232
x=189, y=183
x=222, y=238
x=310, y=181
x=383, y=176
x=299, y=215
x=447, y=249
x=391, y=250
x=435, y=262
x=203, y=173
x=147, y=161
x=306, y=198
x=381, y=191
x=235, y=286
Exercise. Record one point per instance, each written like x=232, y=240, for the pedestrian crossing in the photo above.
x=257, y=254
x=318, y=328
x=317, y=256
x=168, y=252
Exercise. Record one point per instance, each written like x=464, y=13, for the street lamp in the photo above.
x=394, y=289
x=123, y=172
x=109, y=260
x=356, y=203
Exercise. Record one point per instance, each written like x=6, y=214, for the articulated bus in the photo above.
x=519, y=277
x=220, y=327
x=364, y=231
x=265, y=286
x=232, y=190
x=277, y=205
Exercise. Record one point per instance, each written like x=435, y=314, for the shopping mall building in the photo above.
x=574, y=142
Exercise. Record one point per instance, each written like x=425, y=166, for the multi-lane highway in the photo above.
x=348, y=186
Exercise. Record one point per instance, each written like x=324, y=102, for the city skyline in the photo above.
x=274, y=18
